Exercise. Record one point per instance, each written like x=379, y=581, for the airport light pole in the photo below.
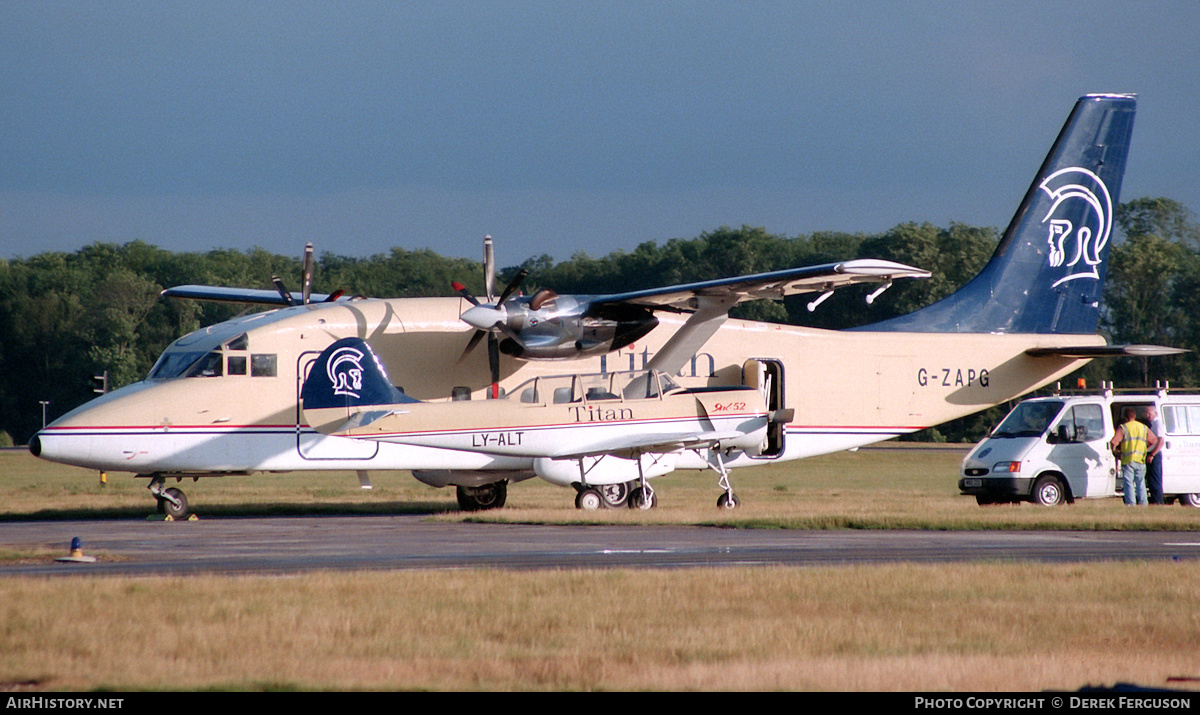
x=43, y=403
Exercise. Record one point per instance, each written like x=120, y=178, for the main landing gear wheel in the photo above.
x=616, y=495
x=1190, y=500
x=643, y=498
x=488, y=496
x=728, y=501
x=588, y=500
x=173, y=503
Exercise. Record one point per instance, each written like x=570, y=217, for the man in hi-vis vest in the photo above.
x=1135, y=441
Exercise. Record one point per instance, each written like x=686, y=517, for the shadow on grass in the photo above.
x=217, y=511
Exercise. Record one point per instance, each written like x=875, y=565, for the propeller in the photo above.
x=306, y=282
x=546, y=325
x=491, y=317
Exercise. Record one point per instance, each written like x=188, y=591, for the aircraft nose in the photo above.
x=485, y=317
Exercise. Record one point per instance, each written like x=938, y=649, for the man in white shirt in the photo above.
x=1154, y=475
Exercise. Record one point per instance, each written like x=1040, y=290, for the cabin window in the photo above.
x=263, y=365
x=236, y=365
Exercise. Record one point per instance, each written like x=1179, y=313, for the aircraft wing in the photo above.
x=239, y=295
x=776, y=284
x=710, y=301
x=642, y=443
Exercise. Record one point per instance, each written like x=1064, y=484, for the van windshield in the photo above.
x=1028, y=419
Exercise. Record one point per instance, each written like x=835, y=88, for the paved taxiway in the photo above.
x=298, y=544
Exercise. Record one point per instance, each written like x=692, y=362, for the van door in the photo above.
x=1079, y=448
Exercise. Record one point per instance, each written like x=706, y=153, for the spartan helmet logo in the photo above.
x=1079, y=221
x=345, y=371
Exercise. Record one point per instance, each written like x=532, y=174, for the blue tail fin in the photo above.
x=348, y=374
x=1047, y=273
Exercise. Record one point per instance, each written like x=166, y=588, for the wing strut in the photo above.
x=711, y=313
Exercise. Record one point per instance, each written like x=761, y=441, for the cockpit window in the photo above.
x=210, y=365
x=174, y=365
x=238, y=343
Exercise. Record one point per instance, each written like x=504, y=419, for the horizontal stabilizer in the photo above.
x=1103, y=351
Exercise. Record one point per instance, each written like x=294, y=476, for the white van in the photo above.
x=1054, y=449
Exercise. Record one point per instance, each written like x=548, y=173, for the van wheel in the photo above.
x=1047, y=491
x=1190, y=499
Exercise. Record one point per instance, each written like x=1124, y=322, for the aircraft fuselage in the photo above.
x=848, y=388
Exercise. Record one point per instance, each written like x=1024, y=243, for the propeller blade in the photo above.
x=306, y=290
x=475, y=338
x=489, y=268
x=513, y=285
x=283, y=291
x=462, y=290
x=335, y=295
x=494, y=363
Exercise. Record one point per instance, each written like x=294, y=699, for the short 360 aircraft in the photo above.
x=226, y=399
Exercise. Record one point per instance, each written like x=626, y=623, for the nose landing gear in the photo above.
x=171, y=502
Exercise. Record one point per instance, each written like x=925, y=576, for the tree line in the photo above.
x=69, y=317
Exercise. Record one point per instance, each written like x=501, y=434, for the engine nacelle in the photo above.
x=546, y=326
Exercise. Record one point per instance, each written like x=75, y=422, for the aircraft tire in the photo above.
x=728, y=500
x=616, y=496
x=1047, y=491
x=1190, y=500
x=639, y=500
x=589, y=500
x=175, y=512
x=488, y=496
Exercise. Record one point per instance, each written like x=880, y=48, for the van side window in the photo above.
x=1089, y=422
x=1181, y=419
x=1081, y=423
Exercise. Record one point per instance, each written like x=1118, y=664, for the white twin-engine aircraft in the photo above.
x=605, y=433
x=227, y=399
